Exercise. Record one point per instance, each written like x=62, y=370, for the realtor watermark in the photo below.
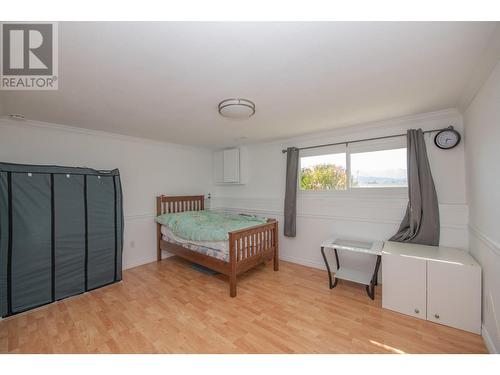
x=29, y=56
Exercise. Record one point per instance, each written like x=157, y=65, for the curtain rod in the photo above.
x=367, y=139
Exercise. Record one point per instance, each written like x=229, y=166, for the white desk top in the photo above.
x=366, y=247
x=435, y=253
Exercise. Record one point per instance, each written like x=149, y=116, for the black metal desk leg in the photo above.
x=331, y=283
x=370, y=289
x=338, y=266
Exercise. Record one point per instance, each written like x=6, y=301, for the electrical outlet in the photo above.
x=132, y=244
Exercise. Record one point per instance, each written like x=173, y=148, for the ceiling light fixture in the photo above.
x=237, y=108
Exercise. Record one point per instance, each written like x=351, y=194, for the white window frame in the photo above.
x=361, y=192
x=340, y=149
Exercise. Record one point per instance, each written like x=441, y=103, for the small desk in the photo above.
x=344, y=273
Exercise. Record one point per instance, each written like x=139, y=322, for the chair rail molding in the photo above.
x=379, y=210
x=491, y=244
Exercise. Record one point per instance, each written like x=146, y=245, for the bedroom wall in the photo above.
x=482, y=129
x=147, y=169
x=369, y=215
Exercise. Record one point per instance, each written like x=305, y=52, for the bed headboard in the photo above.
x=171, y=204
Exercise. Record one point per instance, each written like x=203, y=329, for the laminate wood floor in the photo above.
x=168, y=307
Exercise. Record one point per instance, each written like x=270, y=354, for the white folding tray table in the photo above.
x=344, y=273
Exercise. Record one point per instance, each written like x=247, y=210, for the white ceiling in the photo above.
x=164, y=80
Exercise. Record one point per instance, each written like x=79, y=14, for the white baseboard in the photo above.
x=139, y=262
x=488, y=342
x=147, y=260
x=165, y=255
x=303, y=262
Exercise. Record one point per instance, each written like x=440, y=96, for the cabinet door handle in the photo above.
x=436, y=316
x=417, y=311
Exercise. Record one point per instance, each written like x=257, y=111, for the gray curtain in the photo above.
x=421, y=222
x=292, y=169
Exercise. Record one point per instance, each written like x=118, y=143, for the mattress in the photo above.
x=214, y=249
x=207, y=225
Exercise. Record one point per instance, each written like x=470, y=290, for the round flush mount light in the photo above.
x=237, y=108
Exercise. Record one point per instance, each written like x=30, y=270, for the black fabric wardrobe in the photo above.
x=61, y=233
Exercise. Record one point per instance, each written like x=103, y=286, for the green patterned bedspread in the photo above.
x=207, y=225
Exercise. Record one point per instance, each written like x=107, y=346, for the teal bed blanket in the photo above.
x=207, y=225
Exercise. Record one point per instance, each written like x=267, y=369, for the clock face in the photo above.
x=447, y=139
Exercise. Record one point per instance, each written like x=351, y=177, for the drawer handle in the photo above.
x=417, y=311
x=436, y=316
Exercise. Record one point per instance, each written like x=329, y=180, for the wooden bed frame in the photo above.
x=248, y=247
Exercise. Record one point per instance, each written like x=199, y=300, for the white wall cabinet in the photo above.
x=230, y=166
x=439, y=284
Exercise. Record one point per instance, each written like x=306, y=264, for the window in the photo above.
x=372, y=169
x=323, y=172
x=385, y=168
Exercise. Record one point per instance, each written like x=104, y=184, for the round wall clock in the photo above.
x=447, y=138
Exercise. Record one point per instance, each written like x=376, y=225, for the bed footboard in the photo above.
x=251, y=246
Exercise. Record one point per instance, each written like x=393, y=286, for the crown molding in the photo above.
x=347, y=129
x=6, y=121
x=397, y=122
x=339, y=131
